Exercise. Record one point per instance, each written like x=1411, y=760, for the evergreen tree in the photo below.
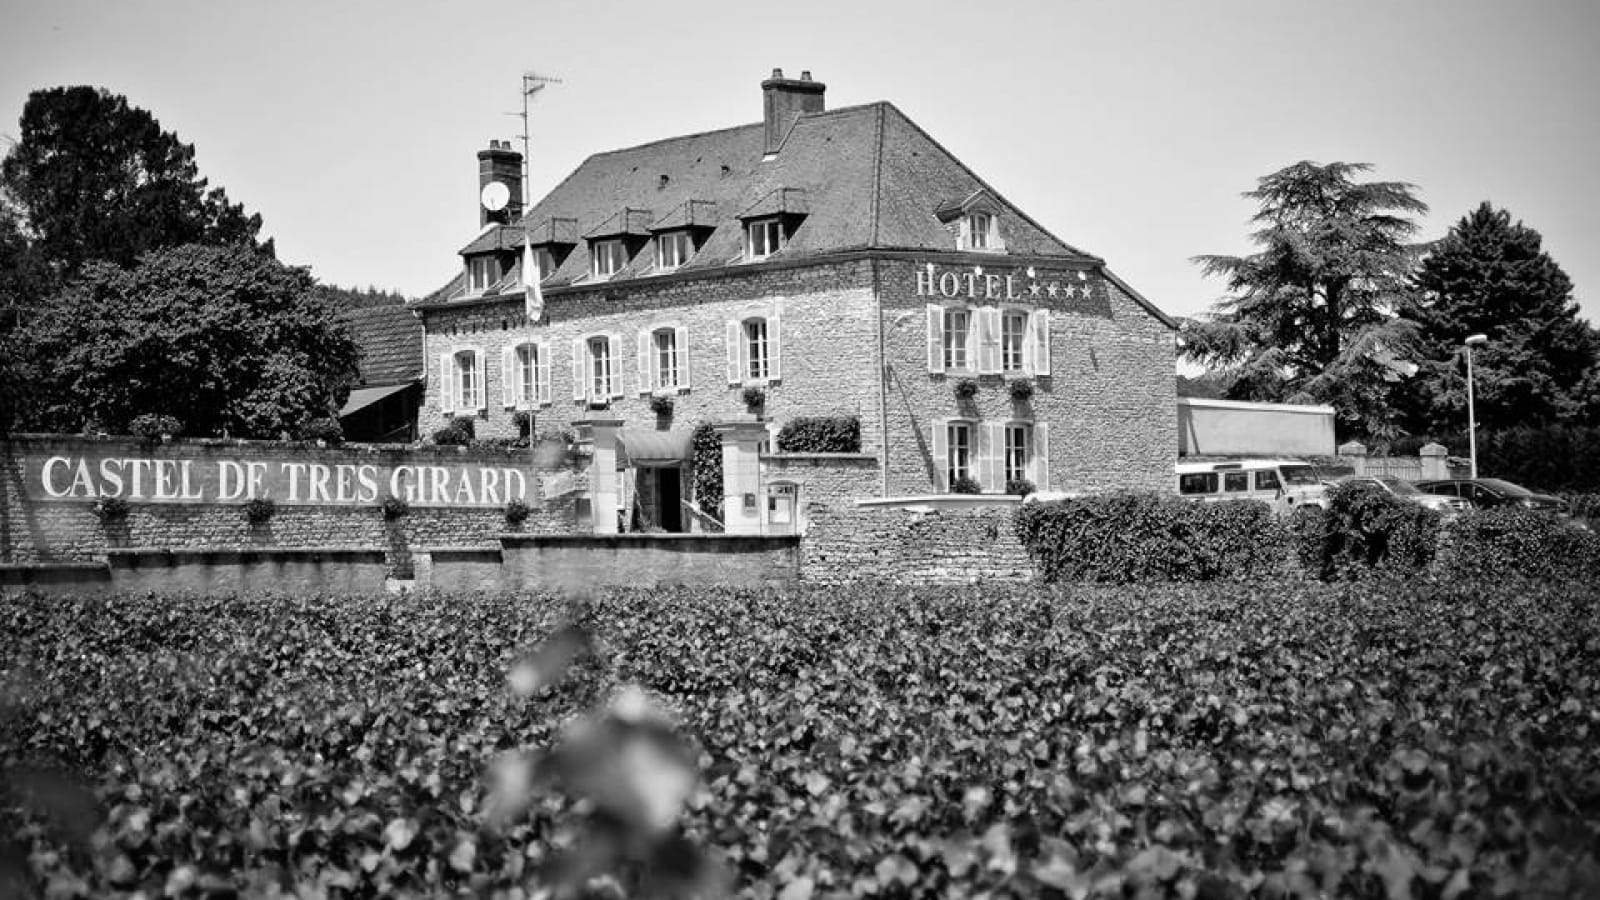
x=1490, y=276
x=226, y=339
x=97, y=179
x=1310, y=317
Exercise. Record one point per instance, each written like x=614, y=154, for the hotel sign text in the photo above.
x=1022, y=285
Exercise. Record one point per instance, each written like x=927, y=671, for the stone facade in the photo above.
x=952, y=546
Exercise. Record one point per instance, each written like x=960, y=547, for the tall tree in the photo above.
x=97, y=179
x=1310, y=316
x=1491, y=276
x=226, y=339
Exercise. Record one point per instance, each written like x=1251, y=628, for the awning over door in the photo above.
x=361, y=398
x=645, y=447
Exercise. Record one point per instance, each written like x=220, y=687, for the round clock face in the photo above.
x=495, y=196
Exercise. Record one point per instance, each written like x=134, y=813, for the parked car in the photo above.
x=1487, y=493
x=1280, y=483
x=1405, y=490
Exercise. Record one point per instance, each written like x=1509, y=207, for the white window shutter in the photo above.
x=941, y=455
x=1039, y=341
x=995, y=241
x=989, y=341
x=964, y=237
x=775, y=342
x=480, y=392
x=508, y=376
x=644, y=342
x=542, y=372
x=935, y=338
x=681, y=334
x=580, y=384
x=615, y=340
x=733, y=353
x=447, y=371
x=1041, y=456
x=991, y=443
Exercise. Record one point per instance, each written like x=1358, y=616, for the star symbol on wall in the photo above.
x=1052, y=288
x=1033, y=289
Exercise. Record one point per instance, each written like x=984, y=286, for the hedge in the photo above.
x=1385, y=739
x=1495, y=544
x=821, y=434
x=1138, y=537
x=1365, y=530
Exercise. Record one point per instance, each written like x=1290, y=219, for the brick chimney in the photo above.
x=503, y=164
x=784, y=100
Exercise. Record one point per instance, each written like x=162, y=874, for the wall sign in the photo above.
x=1021, y=285
x=89, y=476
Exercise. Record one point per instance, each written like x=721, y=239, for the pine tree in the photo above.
x=1310, y=317
x=1491, y=276
x=97, y=179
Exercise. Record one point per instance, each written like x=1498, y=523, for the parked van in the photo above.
x=1280, y=483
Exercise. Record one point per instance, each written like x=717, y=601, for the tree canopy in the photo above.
x=94, y=178
x=1491, y=276
x=226, y=339
x=1310, y=316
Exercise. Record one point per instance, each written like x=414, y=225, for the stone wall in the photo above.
x=578, y=563
x=914, y=545
x=34, y=530
x=1109, y=400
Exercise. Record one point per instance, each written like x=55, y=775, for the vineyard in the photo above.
x=1368, y=739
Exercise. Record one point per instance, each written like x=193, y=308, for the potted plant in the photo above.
x=966, y=389
x=1021, y=390
x=755, y=400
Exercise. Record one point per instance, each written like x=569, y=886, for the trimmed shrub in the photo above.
x=394, y=508
x=459, y=433
x=327, y=430
x=259, y=510
x=151, y=428
x=1366, y=530
x=517, y=512
x=1492, y=544
x=821, y=434
x=1139, y=537
x=965, y=484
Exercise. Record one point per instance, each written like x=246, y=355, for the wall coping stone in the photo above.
x=666, y=539
x=134, y=556
x=821, y=457
x=932, y=502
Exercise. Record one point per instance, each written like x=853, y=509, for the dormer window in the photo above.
x=763, y=237
x=673, y=249
x=980, y=231
x=608, y=257
x=482, y=271
x=544, y=262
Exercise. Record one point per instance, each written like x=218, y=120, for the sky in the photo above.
x=1128, y=129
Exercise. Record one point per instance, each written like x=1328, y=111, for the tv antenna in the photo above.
x=532, y=83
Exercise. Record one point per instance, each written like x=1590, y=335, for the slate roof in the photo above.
x=390, y=338
x=864, y=177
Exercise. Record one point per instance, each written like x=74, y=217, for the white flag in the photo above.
x=533, y=298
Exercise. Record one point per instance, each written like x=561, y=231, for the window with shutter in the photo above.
x=446, y=389
x=542, y=374
x=957, y=339
x=1013, y=341
x=959, y=456
x=526, y=373
x=665, y=358
x=1039, y=325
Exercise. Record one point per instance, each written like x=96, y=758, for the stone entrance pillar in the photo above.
x=605, y=488
x=743, y=506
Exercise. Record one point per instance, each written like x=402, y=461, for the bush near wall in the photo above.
x=1181, y=741
x=1495, y=544
x=1365, y=530
x=821, y=434
x=706, y=445
x=1135, y=537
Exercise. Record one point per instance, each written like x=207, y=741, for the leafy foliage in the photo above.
x=1494, y=544
x=965, y=484
x=1365, y=530
x=326, y=429
x=1310, y=315
x=226, y=337
x=517, y=512
x=1020, y=487
x=661, y=405
x=1383, y=739
x=109, y=509
x=1490, y=276
x=755, y=399
x=394, y=507
x=1020, y=389
x=96, y=179
x=1133, y=537
x=707, y=450
x=821, y=434
x=150, y=428
x=965, y=388
x=260, y=510
x=459, y=432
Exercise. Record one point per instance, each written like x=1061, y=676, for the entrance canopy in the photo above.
x=641, y=448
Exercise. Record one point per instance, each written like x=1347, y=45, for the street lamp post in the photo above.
x=1472, y=420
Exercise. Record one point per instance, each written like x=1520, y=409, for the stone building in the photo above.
x=840, y=261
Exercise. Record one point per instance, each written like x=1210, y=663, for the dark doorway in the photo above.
x=669, y=497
